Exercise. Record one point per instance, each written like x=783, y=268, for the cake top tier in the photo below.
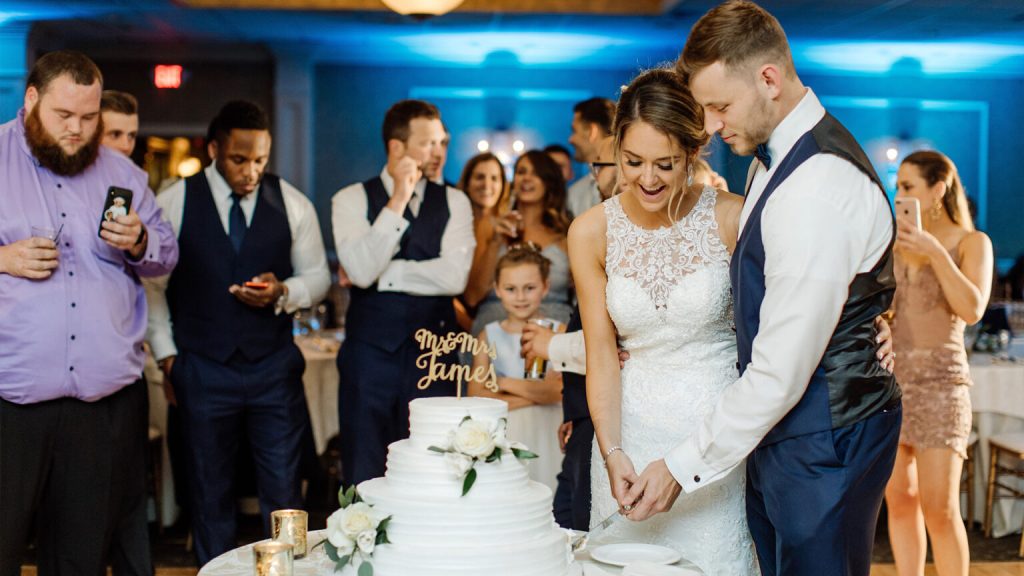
x=430, y=419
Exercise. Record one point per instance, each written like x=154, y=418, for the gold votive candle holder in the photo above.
x=273, y=559
x=289, y=526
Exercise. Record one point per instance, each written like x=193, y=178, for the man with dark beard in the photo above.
x=72, y=321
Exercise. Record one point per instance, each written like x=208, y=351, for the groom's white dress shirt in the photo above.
x=568, y=353
x=823, y=225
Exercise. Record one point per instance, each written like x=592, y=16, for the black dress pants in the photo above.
x=57, y=461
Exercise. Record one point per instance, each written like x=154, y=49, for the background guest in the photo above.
x=560, y=154
x=521, y=282
x=120, y=121
x=539, y=217
x=406, y=244
x=944, y=274
x=221, y=329
x=483, y=181
x=591, y=122
x=72, y=320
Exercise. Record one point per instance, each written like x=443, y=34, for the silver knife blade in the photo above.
x=615, y=517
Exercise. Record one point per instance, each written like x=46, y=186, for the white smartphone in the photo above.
x=909, y=210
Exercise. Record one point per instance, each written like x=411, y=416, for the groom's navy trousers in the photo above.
x=813, y=500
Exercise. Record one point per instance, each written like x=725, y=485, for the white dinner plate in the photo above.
x=626, y=553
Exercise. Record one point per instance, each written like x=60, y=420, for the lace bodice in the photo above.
x=668, y=288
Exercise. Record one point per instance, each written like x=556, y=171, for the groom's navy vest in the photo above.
x=388, y=319
x=207, y=319
x=849, y=384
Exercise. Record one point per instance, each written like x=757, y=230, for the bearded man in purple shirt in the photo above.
x=72, y=319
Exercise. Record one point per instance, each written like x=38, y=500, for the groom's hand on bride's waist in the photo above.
x=655, y=492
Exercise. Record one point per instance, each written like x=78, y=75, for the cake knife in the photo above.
x=600, y=527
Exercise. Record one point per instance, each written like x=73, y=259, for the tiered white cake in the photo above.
x=502, y=527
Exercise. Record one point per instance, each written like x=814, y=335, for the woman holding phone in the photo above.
x=943, y=276
x=537, y=214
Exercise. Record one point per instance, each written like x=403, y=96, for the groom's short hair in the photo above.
x=741, y=35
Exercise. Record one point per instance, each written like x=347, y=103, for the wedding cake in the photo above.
x=502, y=526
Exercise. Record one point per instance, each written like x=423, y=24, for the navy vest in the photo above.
x=389, y=319
x=574, y=386
x=849, y=384
x=207, y=319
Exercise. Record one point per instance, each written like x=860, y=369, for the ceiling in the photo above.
x=961, y=37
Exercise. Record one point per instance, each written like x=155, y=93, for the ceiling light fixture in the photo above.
x=422, y=9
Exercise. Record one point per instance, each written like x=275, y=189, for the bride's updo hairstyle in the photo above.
x=660, y=98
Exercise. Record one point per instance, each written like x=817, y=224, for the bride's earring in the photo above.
x=689, y=175
x=936, y=211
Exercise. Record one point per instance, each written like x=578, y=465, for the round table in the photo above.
x=997, y=400
x=239, y=562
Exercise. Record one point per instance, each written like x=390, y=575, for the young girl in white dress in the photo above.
x=535, y=409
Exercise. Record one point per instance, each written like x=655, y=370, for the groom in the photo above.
x=814, y=412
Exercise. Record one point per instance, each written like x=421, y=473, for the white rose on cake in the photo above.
x=358, y=518
x=474, y=438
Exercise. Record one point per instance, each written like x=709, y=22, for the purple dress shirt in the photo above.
x=78, y=333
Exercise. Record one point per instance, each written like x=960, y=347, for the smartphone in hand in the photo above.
x=118, y=203
x=909, y=210
x=257, y=285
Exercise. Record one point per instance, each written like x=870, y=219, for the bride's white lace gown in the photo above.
x=668, y=295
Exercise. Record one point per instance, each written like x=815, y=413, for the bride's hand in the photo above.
x=621, y=475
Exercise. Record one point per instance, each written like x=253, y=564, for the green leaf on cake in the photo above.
x=523, y=454
x=366, y=569
x=468, y=482
x=468, y=417
x=332, y=552
x=496, y=455
x=438, y=450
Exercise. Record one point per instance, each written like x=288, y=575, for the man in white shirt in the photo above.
x=591, y=122
x=220, y=324
x=814, y=409
x=406, y=244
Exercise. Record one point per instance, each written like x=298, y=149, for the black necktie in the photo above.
x=236, y=223
x=763, y=156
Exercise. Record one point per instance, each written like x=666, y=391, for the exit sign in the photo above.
x=167, y=75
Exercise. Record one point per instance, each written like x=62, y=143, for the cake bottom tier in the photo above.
x=545, y=555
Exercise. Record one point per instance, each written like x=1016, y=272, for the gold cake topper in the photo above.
x=435, y=347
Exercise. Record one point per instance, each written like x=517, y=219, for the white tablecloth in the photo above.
x=997, y=399
x=240, y=562
x=321, y=383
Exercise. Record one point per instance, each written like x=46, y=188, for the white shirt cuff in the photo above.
x=390, y=224
x=298, y=296
x=561, y=356
x=689, y=469
x=162, y=346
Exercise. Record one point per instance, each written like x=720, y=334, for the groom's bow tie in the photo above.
x=763, y=156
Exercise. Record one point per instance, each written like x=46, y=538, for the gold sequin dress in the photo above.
x=931, y=362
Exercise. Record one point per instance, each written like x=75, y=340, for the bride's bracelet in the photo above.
x=611, y=451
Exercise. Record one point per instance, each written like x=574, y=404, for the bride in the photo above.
x=652, y=276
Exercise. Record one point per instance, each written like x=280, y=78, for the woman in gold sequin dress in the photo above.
x=943, y=276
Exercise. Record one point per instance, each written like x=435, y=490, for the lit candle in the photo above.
x=289, y=526
x=273, y=559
